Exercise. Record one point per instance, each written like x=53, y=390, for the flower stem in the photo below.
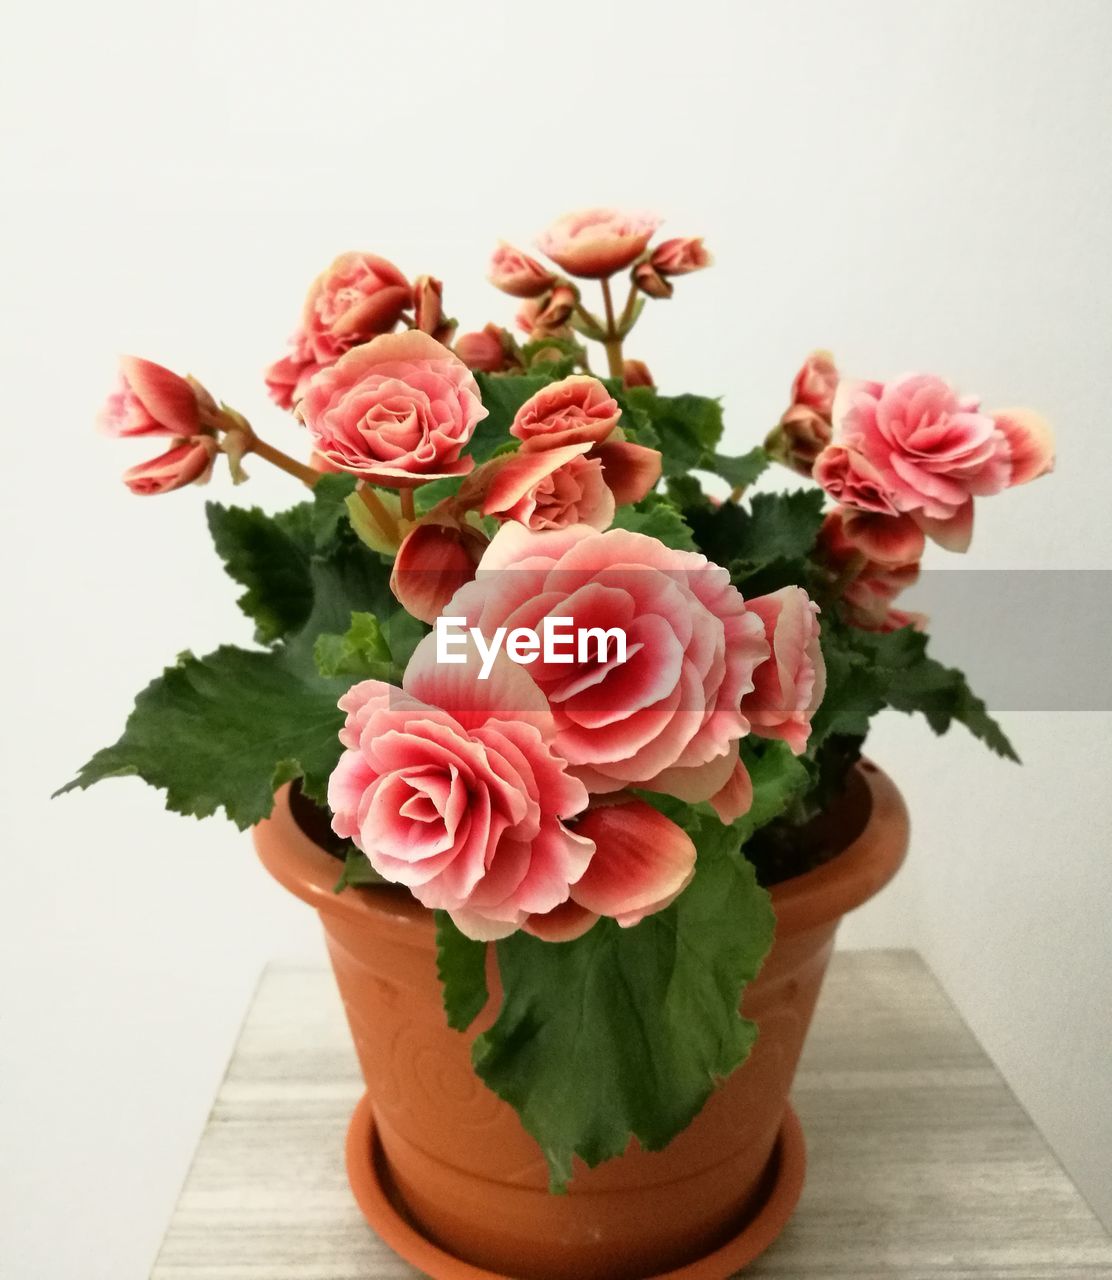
x=612, y=342
x=282, y=461
x=409, y=509
x=378, y=512
x=627, y=310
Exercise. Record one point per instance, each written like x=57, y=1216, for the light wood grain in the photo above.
x=921, y=1163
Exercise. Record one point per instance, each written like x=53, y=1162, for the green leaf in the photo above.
x=656, y=517
x=357, y=871
x=367, y=529
x=362, y=651
x=269, y=555
x=779, y=778
x=688, y=427
x=329, y=509
x=775, y=526
x=739, y=472
x=224, y=731
x=626, y=1031
x=461, y=967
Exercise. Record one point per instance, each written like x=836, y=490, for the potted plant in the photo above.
x=564, y=748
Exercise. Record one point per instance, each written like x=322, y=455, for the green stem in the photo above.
x=612, y=342
x=283, y=461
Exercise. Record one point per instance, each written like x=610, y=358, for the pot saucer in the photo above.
x=364, y=1167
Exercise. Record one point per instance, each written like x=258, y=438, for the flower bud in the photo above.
x=679, y=256
x=152, y=401
x=635, y=373
x=650, y=281
x=189, y=462
x=485, y=349
x=433, y=562
x=816, y=383
x=517, y=274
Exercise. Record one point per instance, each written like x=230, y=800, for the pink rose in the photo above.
x=434, y=560
x=484, y=350
x=679, y=256
x=669, y=717
x=849, y=477
x=551, y=489
x=816, y=383
x=358, y=297
x=187, y=463
x=397, y=411
x=572, y=411
x=517, y=274
x=789, y=686
x=152, y=401
x=450, y=787
x=597, y=242
x=651, y=282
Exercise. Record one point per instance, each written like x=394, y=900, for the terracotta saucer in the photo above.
x=364, y=1165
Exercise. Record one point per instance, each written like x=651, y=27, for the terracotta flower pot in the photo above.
x=442, y=1167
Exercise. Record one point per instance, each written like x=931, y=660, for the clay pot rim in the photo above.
x=847, y=880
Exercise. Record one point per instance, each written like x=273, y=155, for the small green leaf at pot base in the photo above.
x=778, y=778
x=224, y=732
x=648, y=1015
x=357, y=871
x=461, y=967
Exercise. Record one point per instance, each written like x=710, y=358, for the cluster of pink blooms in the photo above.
x=507, y=801
x=903, y=460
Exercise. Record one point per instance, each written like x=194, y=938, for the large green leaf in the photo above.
x=269, y=555
x=688, y=427
x=461, y=967
x=774, y=526
x=656, y=517
x=626, y=1031
x=223, y=732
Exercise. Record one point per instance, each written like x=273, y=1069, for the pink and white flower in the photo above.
x=788, y=688
x=575, y=410
x=669, y=717
x=550, y=489
x=594, y=243
x=397, y=411
x=189, y=462
x=680, y=255
x=152, y=401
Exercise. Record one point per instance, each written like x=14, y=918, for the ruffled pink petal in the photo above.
x=955, y=533
x=562, y=924
x=736, y=797
x=1030, y=441
x=630, y=470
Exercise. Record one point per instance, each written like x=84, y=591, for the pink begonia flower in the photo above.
x=187, y=463
x=397, y=411
x=668, y=718
x=152, y=401
x=517, y=274
x=887, y=540
x=848, y=534
x=680, y=255
x=576, y=409
x=630, y=470
x=483, y=350
x=816, y=383
x=551, y=488
x=789, y=687
x=915, y=446
x=358, y=297
x=434, y=560
x=450, y=787
x=594, y=243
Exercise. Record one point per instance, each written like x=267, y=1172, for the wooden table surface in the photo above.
x=921, y=1162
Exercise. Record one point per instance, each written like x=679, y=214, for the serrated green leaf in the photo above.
x=461, y=967
x=778, y=778
x=357, y=871
x=223, y=732
x=649, y=1016
x=656, y=517
x=738, y=471
x=688, y=427
x=269, y=555
x=773, y=526
x=329, y=509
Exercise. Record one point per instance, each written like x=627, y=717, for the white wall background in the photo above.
x=915, y=185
